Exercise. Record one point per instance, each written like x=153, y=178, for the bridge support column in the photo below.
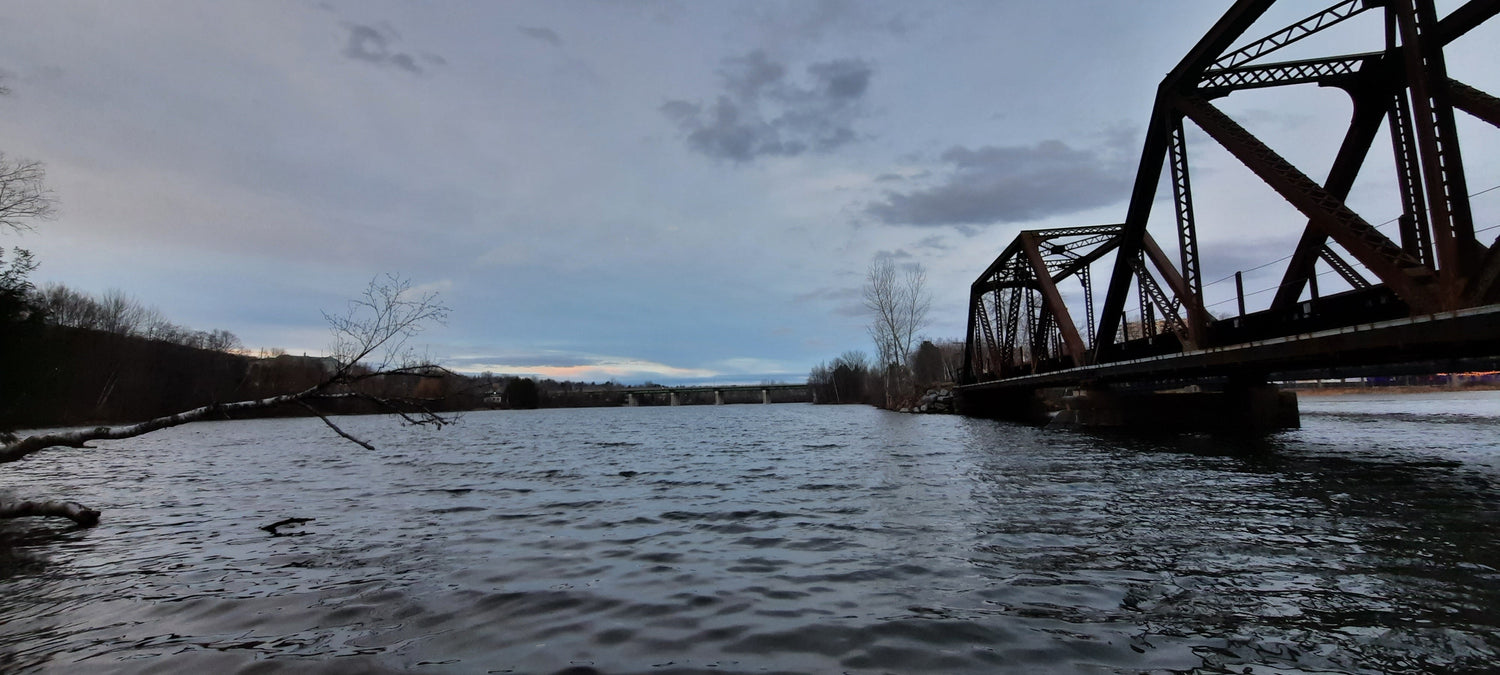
x=765, y=396
x=1022, y=405
x=673, y=396
x=1238, y=408
x=630, y=400
x=718, y=397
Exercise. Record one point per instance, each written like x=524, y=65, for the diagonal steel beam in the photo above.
x=1112, y=314
x=1466, y=18
x=1052, y=297
x=1401, y=272
x=1186, y=297
x=1474, y=102
x=1369, y=110
x=1343, y=267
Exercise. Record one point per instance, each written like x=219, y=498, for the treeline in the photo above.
x=62, y=376
x=116, y=313
x=853, y=378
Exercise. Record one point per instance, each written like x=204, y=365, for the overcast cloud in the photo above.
x=989, y=184
x=764, y=112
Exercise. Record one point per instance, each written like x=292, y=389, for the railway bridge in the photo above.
x=1420, y=293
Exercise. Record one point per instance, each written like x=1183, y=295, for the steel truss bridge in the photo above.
x=1428, y=294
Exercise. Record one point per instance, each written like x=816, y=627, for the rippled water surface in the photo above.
x=781, y=538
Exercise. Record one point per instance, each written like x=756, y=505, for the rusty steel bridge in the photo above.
x=1424, y=299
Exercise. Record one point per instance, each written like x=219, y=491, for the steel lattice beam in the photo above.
x=1319, y=71
x=1297, y=31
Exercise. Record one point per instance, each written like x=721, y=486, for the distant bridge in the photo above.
x=677, y=395
x=1428, y=298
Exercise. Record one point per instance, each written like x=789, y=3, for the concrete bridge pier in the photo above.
x=630, y=400
x=765, y=396
x=674, y=400
x=718, y=397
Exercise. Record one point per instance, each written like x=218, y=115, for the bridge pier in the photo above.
x=1238, y=408
x=718, y=397
x=673, y=399
x=765, y=396
x=630, y=400
x=1256, y=407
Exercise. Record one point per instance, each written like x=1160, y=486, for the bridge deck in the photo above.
x=1442, y=336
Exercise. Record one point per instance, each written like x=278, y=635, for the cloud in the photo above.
x=541, y=33
x=374, y=45
x=1012, y=184
x=761, y=112
x=576, y=367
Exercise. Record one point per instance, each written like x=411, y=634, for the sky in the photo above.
x=663, y=190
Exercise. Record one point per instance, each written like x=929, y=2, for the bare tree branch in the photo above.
x=335, y=427
x=23, y=194
x=378, y=323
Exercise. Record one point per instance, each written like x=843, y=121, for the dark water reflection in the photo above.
x=781, y=538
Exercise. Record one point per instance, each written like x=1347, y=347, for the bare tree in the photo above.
x=24, y=196
x=898, y=302
x=370, y=341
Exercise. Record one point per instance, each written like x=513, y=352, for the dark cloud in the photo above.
x=1012, y=184
x=541, y=33
x=375, y=45
x=763, y=113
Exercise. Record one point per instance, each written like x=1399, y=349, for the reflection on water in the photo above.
x=785, y=538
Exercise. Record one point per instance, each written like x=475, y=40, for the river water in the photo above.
x=780, y=538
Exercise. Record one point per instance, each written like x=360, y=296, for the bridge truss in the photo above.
x=1019, y=323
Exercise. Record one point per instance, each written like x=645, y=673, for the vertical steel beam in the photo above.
x=1413, y=219
x=973, y=340
x=1239, y=290
x=1437, y=141
x=1088, y=299
x=1012, y=327
x=1187, y=234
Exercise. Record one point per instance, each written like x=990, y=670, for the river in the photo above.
x=768, y=538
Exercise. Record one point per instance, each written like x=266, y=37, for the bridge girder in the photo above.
x=1435, y=264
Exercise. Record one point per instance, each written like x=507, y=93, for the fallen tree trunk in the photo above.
x=78, y=513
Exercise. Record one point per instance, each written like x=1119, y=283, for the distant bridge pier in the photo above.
x=673, y=400
x=765, y=396
x=630, y=400
x=718, y=397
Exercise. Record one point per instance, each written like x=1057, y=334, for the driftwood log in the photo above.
x=78, y=513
